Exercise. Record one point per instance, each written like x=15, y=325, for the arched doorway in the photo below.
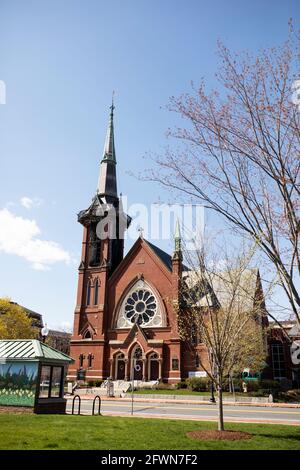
x=137, y=363
x=120, y=367
x=153, y=370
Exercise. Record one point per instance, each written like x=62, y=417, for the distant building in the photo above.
x=59, y=340
x=37, y=320
x=284, y=353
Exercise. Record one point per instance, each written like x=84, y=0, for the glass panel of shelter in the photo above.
x=51, y=381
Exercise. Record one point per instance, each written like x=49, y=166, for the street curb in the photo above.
x=206, y=419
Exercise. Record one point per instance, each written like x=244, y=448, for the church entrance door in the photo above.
x=121, y=370
x=120, y=367
x=154, y=370
x=137, y=363
x=138, y=369
x=153, y=367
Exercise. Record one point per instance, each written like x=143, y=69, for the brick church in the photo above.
x=125, y=311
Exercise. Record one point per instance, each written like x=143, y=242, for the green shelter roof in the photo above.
x=30, y=349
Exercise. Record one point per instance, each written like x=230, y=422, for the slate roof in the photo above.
x=164, y=257
x=220, y=290
x=30, y=349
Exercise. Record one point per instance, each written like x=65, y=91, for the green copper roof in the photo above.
x=30, y=349
x=177, y=237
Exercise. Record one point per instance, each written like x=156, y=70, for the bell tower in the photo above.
x=104, y=224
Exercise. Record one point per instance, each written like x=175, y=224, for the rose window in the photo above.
x=140, y=307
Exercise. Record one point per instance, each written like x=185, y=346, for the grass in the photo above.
x=119, y=433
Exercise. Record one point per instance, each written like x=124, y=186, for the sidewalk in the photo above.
x=186, y=400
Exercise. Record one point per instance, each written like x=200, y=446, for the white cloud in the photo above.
x=65, y=326
x=18, y=236
x=29, y=203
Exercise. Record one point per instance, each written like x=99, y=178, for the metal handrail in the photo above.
x=99, y=405
x=79, y=404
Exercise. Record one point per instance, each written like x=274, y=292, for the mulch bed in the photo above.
x=214, y=435
x=15, y=409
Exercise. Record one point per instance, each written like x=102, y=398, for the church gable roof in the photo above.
x=136, y=334
x=156, y=253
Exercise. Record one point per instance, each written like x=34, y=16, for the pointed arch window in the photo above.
x=96, y=292
x=88, y=293
x=81, y=357
x=87, y=335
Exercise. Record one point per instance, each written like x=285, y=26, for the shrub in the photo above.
x=181, y=384
x=198, y=384
x=261, y=392
x=253, y=385
x=94, y=383
x=237, y=383
x=271, y=385
x=164, y=386
x=290, y=396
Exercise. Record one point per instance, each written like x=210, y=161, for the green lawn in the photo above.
x=117, y=433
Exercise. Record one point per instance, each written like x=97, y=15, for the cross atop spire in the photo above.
x=112, y=107
x=141, y=232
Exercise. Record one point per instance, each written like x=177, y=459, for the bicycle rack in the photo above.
x=99, y=405
x=79, y=404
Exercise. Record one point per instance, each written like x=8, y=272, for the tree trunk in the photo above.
x=220, y=406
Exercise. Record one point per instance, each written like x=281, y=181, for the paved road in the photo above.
x=193, y=411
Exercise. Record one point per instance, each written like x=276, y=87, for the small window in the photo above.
x=88, y=293
x=96, y=292
x=278, y=360
x=81, y=357
x=87, y=335
x=90, y=360
x=98, y=252
x=175, y=364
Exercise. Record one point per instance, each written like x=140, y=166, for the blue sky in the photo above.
x=60, y=61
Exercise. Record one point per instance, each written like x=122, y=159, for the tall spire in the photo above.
x=107, y=183
x=109, y=146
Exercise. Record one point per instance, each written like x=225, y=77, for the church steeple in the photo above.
x=109, y=146
x=107, y=183
x=177, y=237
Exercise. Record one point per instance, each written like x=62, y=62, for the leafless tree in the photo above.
x=226, y=311
x=240, y=153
